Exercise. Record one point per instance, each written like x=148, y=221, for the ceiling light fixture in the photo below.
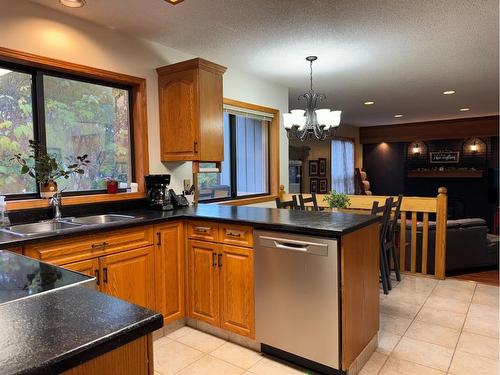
x=369, y=103
x=449, y=92
x=399, y=115
x=311, y=122
x=72, y=3
x=174, y=2
x=464, y=109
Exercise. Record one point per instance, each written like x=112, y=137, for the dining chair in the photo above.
x=291, y=204
x=311, y=199
x=385, y=212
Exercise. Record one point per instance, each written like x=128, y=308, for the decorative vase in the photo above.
x=48, y=189
x=112, y=186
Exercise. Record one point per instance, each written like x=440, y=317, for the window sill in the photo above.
x=73, y=200
x=245, y=201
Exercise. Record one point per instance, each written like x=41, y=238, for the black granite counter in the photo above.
x=326, y=224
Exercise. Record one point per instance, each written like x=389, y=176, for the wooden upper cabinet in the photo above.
x=170, y=273
x=190, y=99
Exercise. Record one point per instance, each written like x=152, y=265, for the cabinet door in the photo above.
x=203, y=281
x=130, y=276
x=88, y=267
x=179, y=115
x=170, y=271
x=237, y=290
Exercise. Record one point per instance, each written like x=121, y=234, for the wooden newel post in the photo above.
x=441, y=219
x=281, y=193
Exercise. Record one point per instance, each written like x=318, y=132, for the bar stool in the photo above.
x=384, y=227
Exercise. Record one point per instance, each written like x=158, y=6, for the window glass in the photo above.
x=251, y=156
x=215, y=185
x=16, y=129
x=87, y=118
x=343, y=166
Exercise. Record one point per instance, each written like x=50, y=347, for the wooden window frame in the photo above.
x=139, y=121
x=274, y=155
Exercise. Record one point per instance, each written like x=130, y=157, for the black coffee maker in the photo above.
x=158, y=195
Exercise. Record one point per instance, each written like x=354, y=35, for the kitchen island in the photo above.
x=52, y=321
x=199, y=261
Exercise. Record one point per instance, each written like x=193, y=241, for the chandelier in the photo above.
x=301, y=123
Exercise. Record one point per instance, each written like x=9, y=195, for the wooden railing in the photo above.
x=412, y=209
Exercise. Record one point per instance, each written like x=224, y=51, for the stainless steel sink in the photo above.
x=39, y=228
x=101, y=219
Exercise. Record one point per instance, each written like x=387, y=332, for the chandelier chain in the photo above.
x=311, y=74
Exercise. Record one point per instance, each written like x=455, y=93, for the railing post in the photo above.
x=441, y=219
x=281, y=193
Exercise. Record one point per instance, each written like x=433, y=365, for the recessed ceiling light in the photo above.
x=449, y=92
x=174, y=2
x=464, y=109
x=398, y=115
x=73, y=3
x=369, y=103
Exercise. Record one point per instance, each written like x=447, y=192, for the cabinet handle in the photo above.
x=214, y=259
x=99, y=245
x=195, y=145
x=220, y=260
x=231, y=233
x=96, y=274
x=105, y=275
x=201, y=229
x=158, y=235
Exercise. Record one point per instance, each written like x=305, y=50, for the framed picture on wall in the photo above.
x=322, y=167
x=313, y=185
x=313, y=167
x=323, y=185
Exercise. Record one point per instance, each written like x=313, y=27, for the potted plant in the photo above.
x=46, y=169
x=337, y=200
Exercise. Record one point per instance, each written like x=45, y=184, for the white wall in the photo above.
x=32, y=28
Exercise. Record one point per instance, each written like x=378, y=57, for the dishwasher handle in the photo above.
x=309, y=247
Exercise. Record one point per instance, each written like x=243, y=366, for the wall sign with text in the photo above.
x=441, y=157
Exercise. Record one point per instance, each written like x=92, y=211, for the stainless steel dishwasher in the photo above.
x=297, y=298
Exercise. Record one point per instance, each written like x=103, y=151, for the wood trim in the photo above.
x=138, y=98
x=441, y=221
x=246, y=201
x=196, y=63
x=444, y=129
x=274, y=142
x=27, y=204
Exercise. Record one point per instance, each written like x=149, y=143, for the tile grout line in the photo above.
x=461, y=330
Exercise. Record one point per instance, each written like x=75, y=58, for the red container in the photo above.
x=112, y=186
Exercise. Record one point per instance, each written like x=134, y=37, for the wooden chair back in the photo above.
x=312, y=199
x=291, y=204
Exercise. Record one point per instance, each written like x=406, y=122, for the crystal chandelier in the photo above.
x=318, y=122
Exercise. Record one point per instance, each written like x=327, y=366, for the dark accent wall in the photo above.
x=385, y=165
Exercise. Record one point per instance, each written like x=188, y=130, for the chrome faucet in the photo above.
x=56, y=204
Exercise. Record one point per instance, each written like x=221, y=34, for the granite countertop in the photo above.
x=326, y=224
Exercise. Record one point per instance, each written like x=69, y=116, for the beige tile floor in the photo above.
x=426, y=327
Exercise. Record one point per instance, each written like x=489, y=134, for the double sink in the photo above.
x=65, y=224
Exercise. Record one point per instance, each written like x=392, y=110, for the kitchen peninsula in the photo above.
x=197, y=263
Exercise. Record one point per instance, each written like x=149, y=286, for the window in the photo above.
x=343, y=166
x=75, y=116
x=245, y=169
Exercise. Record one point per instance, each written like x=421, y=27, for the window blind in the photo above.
x=248, y=113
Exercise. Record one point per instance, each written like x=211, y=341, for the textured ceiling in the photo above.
x=402, y=54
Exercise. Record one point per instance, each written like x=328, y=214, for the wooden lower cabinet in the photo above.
x=237, y=307
x=88, y=267
x=203, y=281
x=221, y=290
x=170, y=274
x=134, y=358
x=130, y=276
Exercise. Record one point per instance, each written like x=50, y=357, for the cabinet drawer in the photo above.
x=90, y=246
x=236, y=235
x=203, y=230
